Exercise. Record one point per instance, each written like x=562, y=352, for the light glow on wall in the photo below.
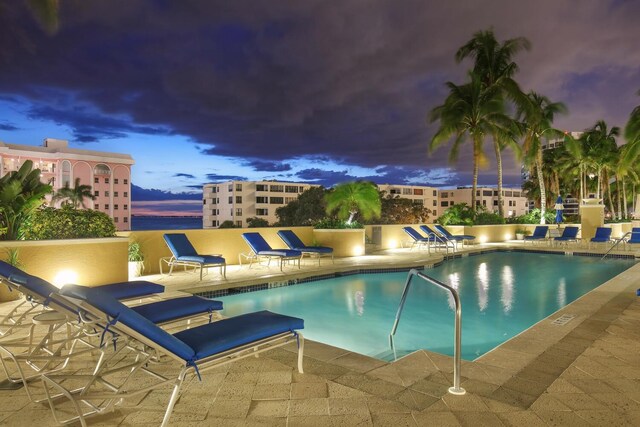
x=483, y=238
x=508, y=236
x=392, y=243
x=357, y=250
x=65, y=277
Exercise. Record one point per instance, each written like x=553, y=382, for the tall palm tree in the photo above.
x=600, y=144
x=470, y=111
x=494, y=65
x=351, y=198
x=74, y=196
x=537, y=118
x=632, y=129
x=632, y=151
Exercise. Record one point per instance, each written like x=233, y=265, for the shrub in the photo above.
x=332, y=223
x=533, y=217
x=68, y=223
x=257, y=222
x=488, y=218
x=460, y=214
x=227, y=224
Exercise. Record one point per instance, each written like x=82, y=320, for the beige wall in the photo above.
x=90, y=262
x=344, y=242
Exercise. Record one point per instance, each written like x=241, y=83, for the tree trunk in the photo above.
x=476, y=159
x=618, y=198
x=496, y=147
x=351, y=215
x=581, y=184
x=625, y=215
x=607, y=188
x=543, y=191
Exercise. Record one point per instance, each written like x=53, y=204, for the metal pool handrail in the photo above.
x=621, y=239
x=456, y=389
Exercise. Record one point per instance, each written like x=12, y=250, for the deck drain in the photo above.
x=564, y=319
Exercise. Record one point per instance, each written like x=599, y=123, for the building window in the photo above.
x=262, y=212
x=276, y=200
x=204, y=201
x=115, y=207
x=508, y=193
x=125, y=207
x=96, y=206
x=214, y=223
x=435, y=212
x=406, y=191
x=238, y=211
x=125, y=181
x=125, y=219
x=238, y=199
x=495, y=203
x=96, y=193
x=96, y=180
x=444, y=195
x=262, y=187
x=230, y=199
x=262, y=199
x=239, y=223
x=106, y=180
x=276, y=188
x=419, y=202
x=115, y=194
x=230, y=188
x=106, y=194
x=396, y=191
x=418, y=192
x=291, y=189
x=238, y=187
x=125, y=194
x=484, y=203
x=115, y=220
x=115, y=180
x=487, y=193
x=288, y=200
x=435, y=193
x=106, y=207
x=435, y=202
x=444, y=204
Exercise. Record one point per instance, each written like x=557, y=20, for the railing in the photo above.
x=456, y=389
x=434, y=237
x=621, y=239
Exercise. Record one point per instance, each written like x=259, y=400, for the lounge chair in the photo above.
x=569, y=234
x=292, y=240
x=193, y=350
x=634, y=238
x=455, y=237
x=52, y=352
x=603, y=235
x=439, y=239
x=261, y=249
x=418, y=239
x=539, y=233
x=184, y=254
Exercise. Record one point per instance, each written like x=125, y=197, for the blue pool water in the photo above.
x=502, y=294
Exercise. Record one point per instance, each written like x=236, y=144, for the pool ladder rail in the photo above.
x=456, y=389
x=616, y=243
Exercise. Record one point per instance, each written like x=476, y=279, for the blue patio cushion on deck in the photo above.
x=202, y=259
x=135, y=289
x=452, y=236
x=287, y=253
x=177, y=308
x=226, y=334
x=293, y=241
x=603, y=234
x=261, y=247
x=540, y=232
x=432, y=235
x=116, y=310
x=569, y=233
x=180, y=245
x=415, y=235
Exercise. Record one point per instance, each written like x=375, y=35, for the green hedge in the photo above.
x=68, y=223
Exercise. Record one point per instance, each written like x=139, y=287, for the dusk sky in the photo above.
x=314, y=91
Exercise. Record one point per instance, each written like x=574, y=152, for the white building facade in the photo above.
x=514, y=200
x=426, y=196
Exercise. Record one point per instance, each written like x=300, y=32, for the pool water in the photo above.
x=501, y=293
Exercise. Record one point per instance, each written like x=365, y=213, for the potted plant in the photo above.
x=136, y=260
x=521, y=232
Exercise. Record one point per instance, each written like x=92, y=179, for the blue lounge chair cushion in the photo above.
x=293, y=241
x=202, y=259
x=540, y=232
x=603, y=234
x=135, y=289
x=121, y=313
x=226, y=334
x=457, y=237
x=177, y=308
x=179, y=245
x=569, y=233
x=635, y=235
x=432, y=235
x=260, y=247
x=417, y=237
x=285, y=253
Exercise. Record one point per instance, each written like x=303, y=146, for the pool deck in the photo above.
x=582, y=372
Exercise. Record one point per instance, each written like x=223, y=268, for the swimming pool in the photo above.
x=502, y=294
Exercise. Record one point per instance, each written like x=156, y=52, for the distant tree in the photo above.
x=351, y=198
x=256, y=222
x=227, y=224
x=399, y=210
x=21, y=194
x=74, y=196
x=458, y=214
x=307, y=209
x=68, y=223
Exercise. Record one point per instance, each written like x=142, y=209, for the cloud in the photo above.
x=139, y=194
x=6, y=126
x=218, y=178
x=266, y=166
x=184, y=175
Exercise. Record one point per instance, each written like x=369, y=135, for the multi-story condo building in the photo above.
x=426, y=196
x=238, y=201
x=515, y=202
x=109, y=174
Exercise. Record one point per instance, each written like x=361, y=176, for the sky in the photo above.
x=313, y=91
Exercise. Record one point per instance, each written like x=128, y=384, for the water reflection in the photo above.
x=454, y=282
x=507, y=288
x=360, y=303
x=562, y=293
x=483, y=286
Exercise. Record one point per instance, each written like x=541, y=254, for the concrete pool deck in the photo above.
x=583, y=372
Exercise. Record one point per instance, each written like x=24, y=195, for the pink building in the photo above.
x=109, y=174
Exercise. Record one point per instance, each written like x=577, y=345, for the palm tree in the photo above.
x=537, y=117
x=494, y=65
x=21, y=193
x=600, y=144
x=74, y=196
x=351, y=198
x=632, y=129
x=471, y=111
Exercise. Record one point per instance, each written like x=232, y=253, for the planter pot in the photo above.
x=519, y=236
x=135, y=269
x=348, y=242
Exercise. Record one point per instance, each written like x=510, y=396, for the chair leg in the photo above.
x=174, y=397
x=300, y=352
